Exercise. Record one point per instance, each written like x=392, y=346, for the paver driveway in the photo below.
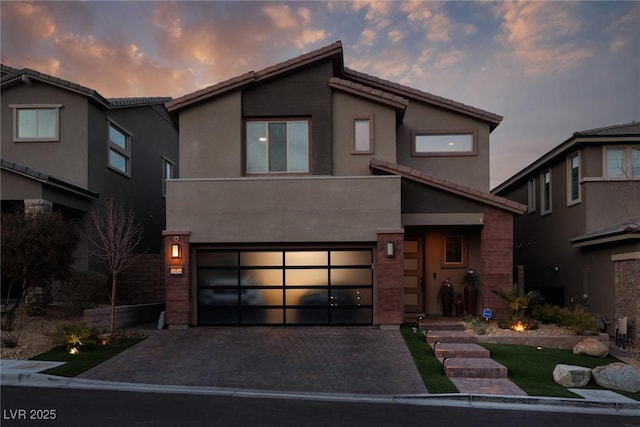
x=362, y=360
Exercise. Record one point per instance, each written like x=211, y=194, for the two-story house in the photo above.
x=310, y=193
x=66, y=147
x=579, y=242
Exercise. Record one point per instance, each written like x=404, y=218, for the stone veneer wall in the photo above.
x=388, y=280
x=496, y=242
x=626, y=292
x=178, y=290
x=143, y=282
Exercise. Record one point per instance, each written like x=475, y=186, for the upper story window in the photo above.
x=277, y=146
x=362, y=135
x=444, y=142
x=573, y=179
x=545, y=182
x=36, y=122
x=167, y=173
x=531, y=195
x=622, y=162
x=119, y=149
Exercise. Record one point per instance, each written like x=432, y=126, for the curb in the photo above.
x=529, y=403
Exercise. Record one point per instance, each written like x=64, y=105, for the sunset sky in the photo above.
x=550, y=68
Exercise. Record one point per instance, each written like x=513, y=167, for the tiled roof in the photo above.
x=409, y=92
x=12, y=76
x=448, y=186
x=332, y=50
x=39, y=176
x=624, y=132
x=137, y=102
x=632, y=128
x=377, y=95
x=627, y=229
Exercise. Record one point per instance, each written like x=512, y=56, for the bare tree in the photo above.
x=112, y=234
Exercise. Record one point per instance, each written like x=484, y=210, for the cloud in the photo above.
x=625, y=31
x=543, y=36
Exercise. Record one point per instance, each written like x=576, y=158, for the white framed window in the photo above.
x=444, y=142
x=36, y=122
x=362, y=135
x=119, y=149
x=621, y=162
x=167, y=173
x=545, y=192
x=574, y=193
x=277, y=146
x=531, y=195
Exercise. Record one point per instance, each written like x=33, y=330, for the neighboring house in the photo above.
x=579, y=243
x=64, y=146
x=314, y=194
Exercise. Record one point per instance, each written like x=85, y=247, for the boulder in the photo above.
x=571, y=375
x=591, y=347
x=618, y=376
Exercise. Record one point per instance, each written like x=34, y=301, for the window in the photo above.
x=37, y=123
x=453, y=251
x=167, y=173
x=573, y=179
x=546, y=192
x=277, y=146
x=622, y=162
x=362, y=135
x=119, y=149
x=531, y=195
x=444, y=143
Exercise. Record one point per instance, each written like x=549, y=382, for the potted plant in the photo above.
x=446, y=297
x=470, y=290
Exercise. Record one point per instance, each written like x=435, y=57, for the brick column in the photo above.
x=627, y=300
x=177, y=278
x=388, y=289
x=496, y=246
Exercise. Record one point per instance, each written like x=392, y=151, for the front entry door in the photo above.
x=413, y=276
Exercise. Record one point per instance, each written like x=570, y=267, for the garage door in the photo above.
x=292, y=287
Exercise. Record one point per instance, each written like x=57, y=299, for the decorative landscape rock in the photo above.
x=618, y=376
x=591, y=347
x=571, y=375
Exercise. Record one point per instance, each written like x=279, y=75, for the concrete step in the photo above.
x=450, y=337
x=441, y=325
x=465, y=351
x=457, y=367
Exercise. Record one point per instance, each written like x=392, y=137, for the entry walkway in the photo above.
x=356, y=360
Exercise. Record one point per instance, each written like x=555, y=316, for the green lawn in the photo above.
x=429, y=367
x=85, y=359
x=529, y=368
x=532, y=369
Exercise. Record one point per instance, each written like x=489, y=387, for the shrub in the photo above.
x=82, y=290
x=76, y=334
x=9, y=340
x=578, y=320
x=478, y=326
x=36, y=305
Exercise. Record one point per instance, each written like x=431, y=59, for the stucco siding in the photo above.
x=320, y=209
x=211, y=139
x=51, y=158
x=468, y=170
x=345, y=109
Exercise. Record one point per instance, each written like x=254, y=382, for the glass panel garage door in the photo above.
x=293, y=287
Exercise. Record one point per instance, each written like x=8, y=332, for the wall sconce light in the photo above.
x=555, y=269
x=389, y=249
x=175, y=250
